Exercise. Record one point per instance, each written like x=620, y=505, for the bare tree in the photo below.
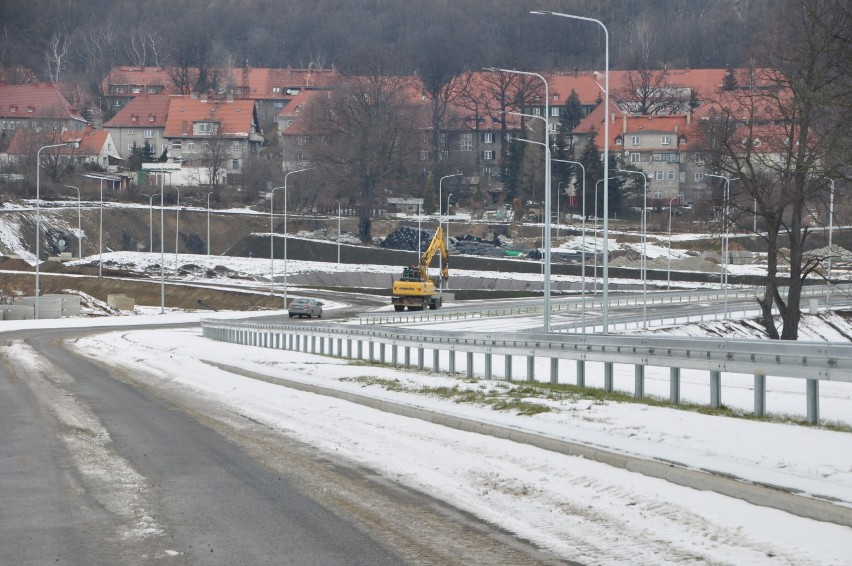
x=215, y=152
x=56, y=56
x=776, y=133
x=364, y=140
x=647, y=91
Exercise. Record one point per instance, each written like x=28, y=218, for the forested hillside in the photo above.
x=80, y=40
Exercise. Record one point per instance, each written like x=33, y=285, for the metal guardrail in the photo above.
x=573, y=304
x=761, y=358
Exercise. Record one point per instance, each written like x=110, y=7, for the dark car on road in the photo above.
x=305, y=307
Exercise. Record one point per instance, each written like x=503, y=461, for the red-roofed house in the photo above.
x=37, y=106
x=665, y=147
x=96, y=147
x=212, y=135
x=142, y=120
x=270, y=89
x=123, y=84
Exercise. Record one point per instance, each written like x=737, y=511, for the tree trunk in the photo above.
x=766, y=303
x=365, y=225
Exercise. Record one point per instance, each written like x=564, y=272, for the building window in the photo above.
x=635, y=141
x=666, y=157
x=205, y=145
x=699, y=177
x=488, y=137
x=699, y=158
x=176, y=145
x=658, y=195
x=536, y=111
x=619, y=140
x=659, y=175
x=424, y=155
x=670, y=175
x=301, y=157
x=554, y=111
x=466, y=142
x=130, y=147
x=303, y=140
x=149, y=134
x=235, y=145
x=190, y=145
x=131, y=132
x=487, y=155
x=665, y=140
x=235, y=164
x=278, y=105
x=635, y=157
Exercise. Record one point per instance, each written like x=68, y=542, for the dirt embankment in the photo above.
x=53, y=278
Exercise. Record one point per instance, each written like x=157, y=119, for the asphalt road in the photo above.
x=101, y=465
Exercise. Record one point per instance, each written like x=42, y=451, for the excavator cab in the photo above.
x=411, y=273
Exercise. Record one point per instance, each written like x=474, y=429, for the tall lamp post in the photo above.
x=605, y=298
x=644, y=240
x=177, y=228
x=208, y=222
x=440, y=204
x=583, y=237
x=338, y=231
x=723, y=277
x=163, y=172
x=101, y=179
x=830, y=230
x=73, y=144
x=79, y=224
x=447, y=231
x=547, y=192
x=547, y=231
x=669, y=270
x=271, y=233
x=150, y=219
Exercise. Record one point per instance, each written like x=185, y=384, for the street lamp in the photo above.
x=447, y=231
x=605, y=299
x=723, y=277
x=150, y=219
x=583, y=239
x=547, y=231
x=830, y=230
x=101, y=179
x=547, y=192
x=177, y=228
x=163, y=173
x=669, y=270
x=440, y=204
x=271, y=233
x=338, y=231
x=644, y=240
x=208, y=222
x=73, y=144
x=79, y=224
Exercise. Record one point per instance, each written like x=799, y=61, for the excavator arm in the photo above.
x=437, y=244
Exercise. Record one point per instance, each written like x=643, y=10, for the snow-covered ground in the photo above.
x=581, y=510
x=578, y=509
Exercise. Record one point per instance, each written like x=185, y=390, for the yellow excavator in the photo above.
x=415, y=289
